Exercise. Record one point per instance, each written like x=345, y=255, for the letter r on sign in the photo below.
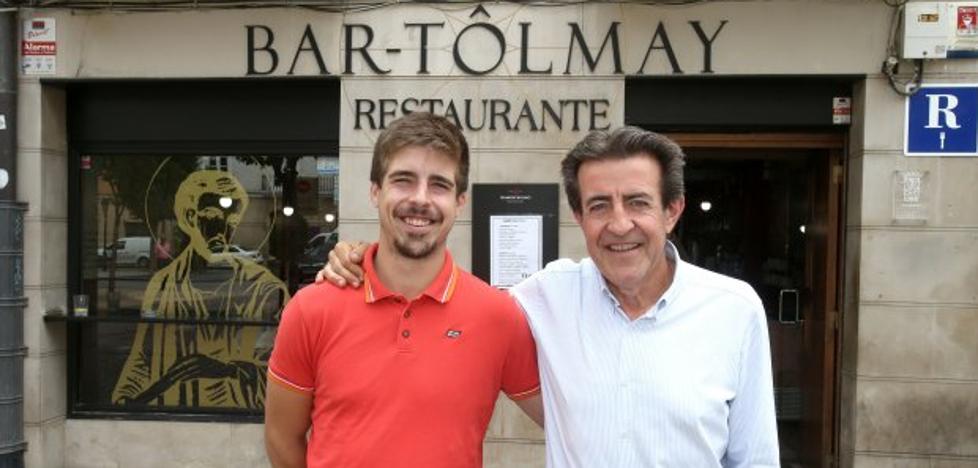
x=935, y=110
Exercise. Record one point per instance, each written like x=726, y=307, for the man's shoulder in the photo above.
x=717, y=284
x=560, y=280
x=321, y=296
x=563, y=266
x=563, y=269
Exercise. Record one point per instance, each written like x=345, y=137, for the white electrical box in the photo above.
x=938, y=30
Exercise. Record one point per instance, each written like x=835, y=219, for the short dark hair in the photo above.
x=622, y=143
x=426, y=130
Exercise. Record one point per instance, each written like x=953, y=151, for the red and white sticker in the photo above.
x=841, y=110
x=39, y=47
x=967, y=21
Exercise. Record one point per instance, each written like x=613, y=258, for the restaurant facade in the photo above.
x=187, y=166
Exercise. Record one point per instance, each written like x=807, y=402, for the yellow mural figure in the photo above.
x=205, y=365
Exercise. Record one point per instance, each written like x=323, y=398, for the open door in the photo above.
x=766, y=209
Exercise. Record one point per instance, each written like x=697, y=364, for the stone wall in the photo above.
x=42, y=165
x=910, y=355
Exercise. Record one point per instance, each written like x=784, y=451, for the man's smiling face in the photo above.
x=624, y=221
x=417, y=201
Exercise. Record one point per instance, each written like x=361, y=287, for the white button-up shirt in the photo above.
x=688, y=384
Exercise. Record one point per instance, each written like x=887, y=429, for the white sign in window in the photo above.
x=515, y=248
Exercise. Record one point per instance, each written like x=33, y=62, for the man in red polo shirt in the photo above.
x=404, y=372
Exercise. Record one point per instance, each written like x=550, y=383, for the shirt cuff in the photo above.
x=524, y=395
x=288, y=384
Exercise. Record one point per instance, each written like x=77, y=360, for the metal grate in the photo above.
x=788, y=403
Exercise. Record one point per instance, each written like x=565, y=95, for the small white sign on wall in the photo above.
x=910, y=196
x=39, y=47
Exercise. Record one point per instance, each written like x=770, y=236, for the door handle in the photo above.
x=789, y=302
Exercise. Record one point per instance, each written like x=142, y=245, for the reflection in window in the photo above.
x=217, y=163
x=198, y=250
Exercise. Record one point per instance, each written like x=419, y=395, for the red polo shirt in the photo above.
x=402, y=383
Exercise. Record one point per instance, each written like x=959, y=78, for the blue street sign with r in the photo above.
x=942, y=120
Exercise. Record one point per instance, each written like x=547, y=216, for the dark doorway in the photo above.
x=769, y=215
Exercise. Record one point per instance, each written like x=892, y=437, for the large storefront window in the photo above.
x=187, y=262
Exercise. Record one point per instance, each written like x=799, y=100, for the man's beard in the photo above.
x=415, y=250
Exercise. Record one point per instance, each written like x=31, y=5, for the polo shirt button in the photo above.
x=407, y=313
x=406, y=333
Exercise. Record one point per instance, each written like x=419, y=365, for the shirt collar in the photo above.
x=441, y=289
x=678, y=276
x=668, y=297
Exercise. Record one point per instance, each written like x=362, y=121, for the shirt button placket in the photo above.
x=628, y=390
x=404, y=333
x=625, y=393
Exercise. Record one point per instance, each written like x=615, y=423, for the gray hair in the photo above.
x=622, y=143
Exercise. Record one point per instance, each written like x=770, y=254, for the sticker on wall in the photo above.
x=841, y=111
x=910, y=199
x=39, y=47
x=967, y=19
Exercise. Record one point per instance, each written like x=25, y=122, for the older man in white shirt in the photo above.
x=645, y=360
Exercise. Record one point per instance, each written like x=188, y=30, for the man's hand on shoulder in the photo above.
x=344, y=265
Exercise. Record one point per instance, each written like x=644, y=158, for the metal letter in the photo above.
x=312, y=47
x=707, y=43
x=499, y=38
x=592, y=62
x=348, y=29
x=269, y=39
x=423, y=68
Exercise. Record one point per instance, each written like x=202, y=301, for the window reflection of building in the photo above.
x=217, y=163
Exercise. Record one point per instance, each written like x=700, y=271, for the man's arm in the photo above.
x=533, y=407
x=287, y=419
x=291, y=379
x=753, y=427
